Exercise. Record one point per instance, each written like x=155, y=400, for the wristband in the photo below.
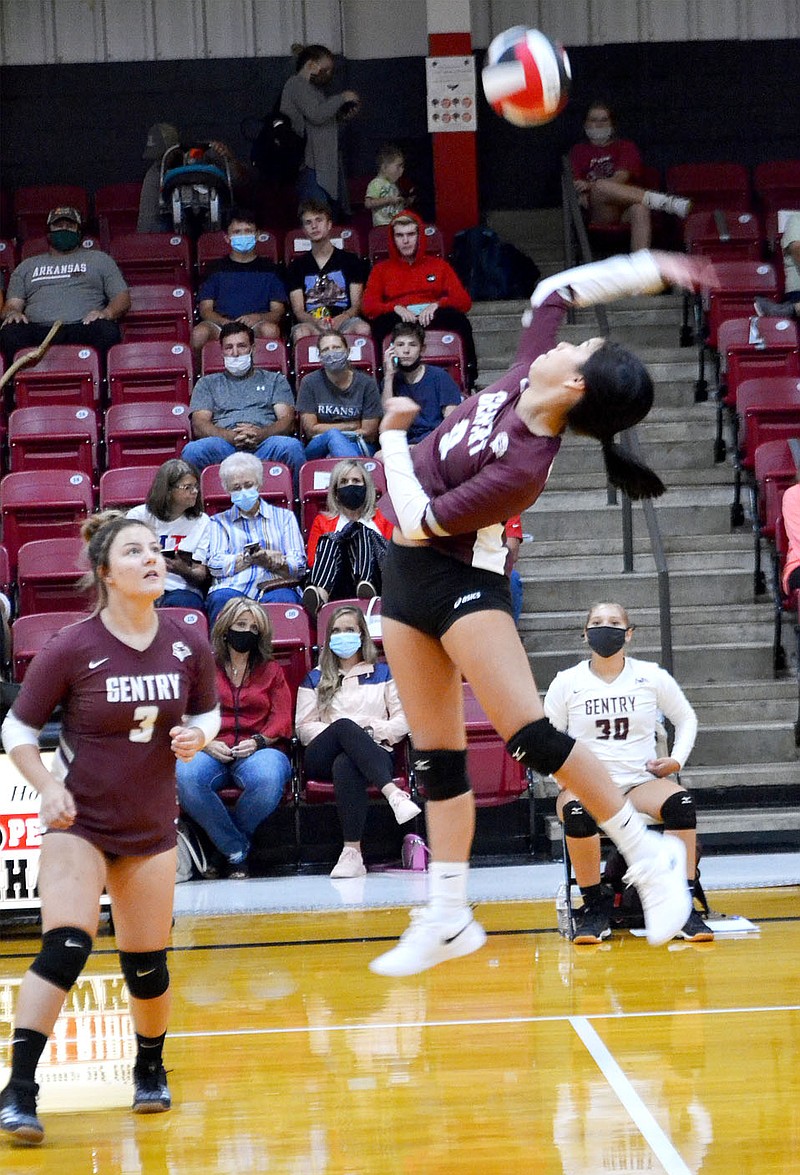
x=260, y=741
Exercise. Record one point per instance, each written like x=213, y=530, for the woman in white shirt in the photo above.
x=613, y=704
x=174, y=510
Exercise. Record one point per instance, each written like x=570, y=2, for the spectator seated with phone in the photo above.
x=174, y=510
x=433, y=388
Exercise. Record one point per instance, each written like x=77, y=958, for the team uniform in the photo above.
x=119, y=706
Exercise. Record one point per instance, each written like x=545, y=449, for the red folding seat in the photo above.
x=35, y=245
x=751, y=348
x=158, y=312
x=29, y=634
x=271, y=354
x=495, y=777
x=66, y=375
x=296, y=242
x=32, y=204
x=120, y=489
x=213, y=247
x=5, y=571
x=61, y=437
x=739, y=283
x=777, y=184
x=152, y=370
x=774, y=470
x=767, y=410
x=362, y=355
x=724, y=235
x=711, y=185
x=292, y=641
x=443, y=348
x=315, y=478
x=147, y=258
x=145, y=434
x=49, y=572
x=44, y=504
x=8, y=261
x=194, y=618
x=378, y=242
x=117, y=209
x=276, y=489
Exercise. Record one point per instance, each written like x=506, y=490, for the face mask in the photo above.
x=243, y=242
x=352, y=497
x=238, y=364
x=64, y=239
x=605, y=640
x=410, y=365
x=242, y=641
x=335, y=360
x=598, y=135
x=245, y=499
x=344, y=644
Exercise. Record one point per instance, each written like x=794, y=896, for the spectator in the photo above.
x=412, y=287
x=161, y=137
x=613, y=704
x=243, y=287
x=790, y=509
x=243, y=408
x=325, y=283
x=316, y=118
x=174, y=511
x=607, y=169
x=339, y=406
x=254, y=545
x=383, y=197
x=349, y=718
x=790, y=247
x=347, y=541
x=404, y=374
x=249, y=751
x=83, y=288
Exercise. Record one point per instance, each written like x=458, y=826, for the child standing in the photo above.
x=383, y=197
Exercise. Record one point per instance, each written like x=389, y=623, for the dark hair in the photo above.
x=388, y=151
x=314, y=206
x=337, y=334
x=414, y=329
x=164, y=482
x=311, y=53
x=601, y=104
x=244, y=214
x=619, y=393
x=237, y=328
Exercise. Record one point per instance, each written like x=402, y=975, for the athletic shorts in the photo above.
x=429, y=591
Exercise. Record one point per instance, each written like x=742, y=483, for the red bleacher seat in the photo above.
x=8, y=260
x=270, y=354
x=739, y=283
x=150, y=370
x=292, y=641
x=296, y=242
x=191, y=617
x=443, y=348
x=315, y=477
x=276, y=488
x=158, y=312
x=44, y=504
x=378, y=242
x=129, y=486
x=774, y=470
x=213, y=247
x=752, y=348
x=147, y=258
x=117, y=209
x=145, y=434
x=767, y=410
x=32, y=204
x=711, y=185
x=48, y=574
x=362, y=355
x=33, y=246
x=66, y=374
x=61, y=437
x=777, y=184
x=29, y=634
x=495, y=777
x=724, y=235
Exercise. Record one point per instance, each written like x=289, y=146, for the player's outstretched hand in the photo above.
x=186, y=742
x=690, y=273
x=400, y=413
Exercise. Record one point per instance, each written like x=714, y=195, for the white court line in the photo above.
x=650, y=1130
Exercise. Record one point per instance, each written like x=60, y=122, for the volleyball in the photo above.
x=527, y=77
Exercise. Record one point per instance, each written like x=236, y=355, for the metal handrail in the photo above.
x=575, y=231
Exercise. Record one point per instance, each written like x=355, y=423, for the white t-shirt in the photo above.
x=617, y=720
x=791, y=234
x=184, y=534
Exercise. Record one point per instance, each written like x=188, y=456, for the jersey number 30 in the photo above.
x=146, y=717
x=618, y=731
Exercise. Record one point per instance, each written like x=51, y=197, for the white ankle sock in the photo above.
x=627, y=829
x=661, y=202
x=447, y=888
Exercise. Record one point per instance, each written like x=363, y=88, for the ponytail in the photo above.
x=634, y=478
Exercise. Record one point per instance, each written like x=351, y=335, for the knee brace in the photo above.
x=145, y=972
x=678, y=811
x=63, y=956
x=540, y=746
x=577, y=821
x=441, y=775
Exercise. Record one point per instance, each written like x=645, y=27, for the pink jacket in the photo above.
x=367, y=695
x=790, y=508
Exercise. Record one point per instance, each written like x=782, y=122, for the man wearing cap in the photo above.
x=83, y=288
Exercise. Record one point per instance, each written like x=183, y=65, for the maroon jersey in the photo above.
x=590, y=162
x=482, y=464
x=119, y=706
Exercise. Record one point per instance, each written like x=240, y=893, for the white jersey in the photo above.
x=618, y=720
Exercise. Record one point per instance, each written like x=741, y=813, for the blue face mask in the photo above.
x=245, y=499
x=243, y=242
x=344, y=644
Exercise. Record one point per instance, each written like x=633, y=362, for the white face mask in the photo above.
x=599, y=135
x=238, y=364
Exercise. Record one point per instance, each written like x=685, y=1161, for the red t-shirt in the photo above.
x=589, y=162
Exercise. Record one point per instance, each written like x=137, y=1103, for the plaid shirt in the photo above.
x=230, y=532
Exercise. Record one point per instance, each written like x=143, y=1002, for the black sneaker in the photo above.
x=150, y=1090
x=591, y=925
x=312, y=600
x=18, y=1112
x=695, y=929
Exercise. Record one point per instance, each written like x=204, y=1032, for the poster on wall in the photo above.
x=20, y=838
x=450, y=84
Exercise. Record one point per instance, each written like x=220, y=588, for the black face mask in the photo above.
x=605, y=640
x=407, y=367
x=64, y=240
x=352, y=497
x=242, y=641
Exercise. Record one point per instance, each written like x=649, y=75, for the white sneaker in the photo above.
x=427, y=943
x=678, y=206
x=351, y=864
x=403, y=807
x=661, y=882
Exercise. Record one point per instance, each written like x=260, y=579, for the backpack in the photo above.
x=278, y=151
x=192, y=861
x=491, y=269
x=627, y=912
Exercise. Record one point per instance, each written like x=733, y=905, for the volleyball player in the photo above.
x=137, y=691
x=446, y=602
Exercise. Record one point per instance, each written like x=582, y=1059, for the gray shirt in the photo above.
x=791, y=234
x=314, y=116
x=66, y=285
x=246, y=400
x=332, y=405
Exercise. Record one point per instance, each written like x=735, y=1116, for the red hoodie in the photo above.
x=399, y=282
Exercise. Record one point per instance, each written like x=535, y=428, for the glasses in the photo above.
x=188, y=488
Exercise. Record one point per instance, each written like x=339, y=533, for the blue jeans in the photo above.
x=216, y=601
x=309, y=188
x=262, y=776
x=332, y=443
x=181, y=598
x=213, y=450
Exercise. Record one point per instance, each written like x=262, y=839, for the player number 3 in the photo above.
x=146, y=717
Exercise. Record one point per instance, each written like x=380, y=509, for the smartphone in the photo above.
x=252, y=548
x=395, y=362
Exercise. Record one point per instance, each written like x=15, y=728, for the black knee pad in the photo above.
x=145, y=972
x=63, y=956
x=577, y=821
x=678, y=811
x=540, y=746
x=441, y=775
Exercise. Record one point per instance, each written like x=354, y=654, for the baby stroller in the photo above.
x=196, y=189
